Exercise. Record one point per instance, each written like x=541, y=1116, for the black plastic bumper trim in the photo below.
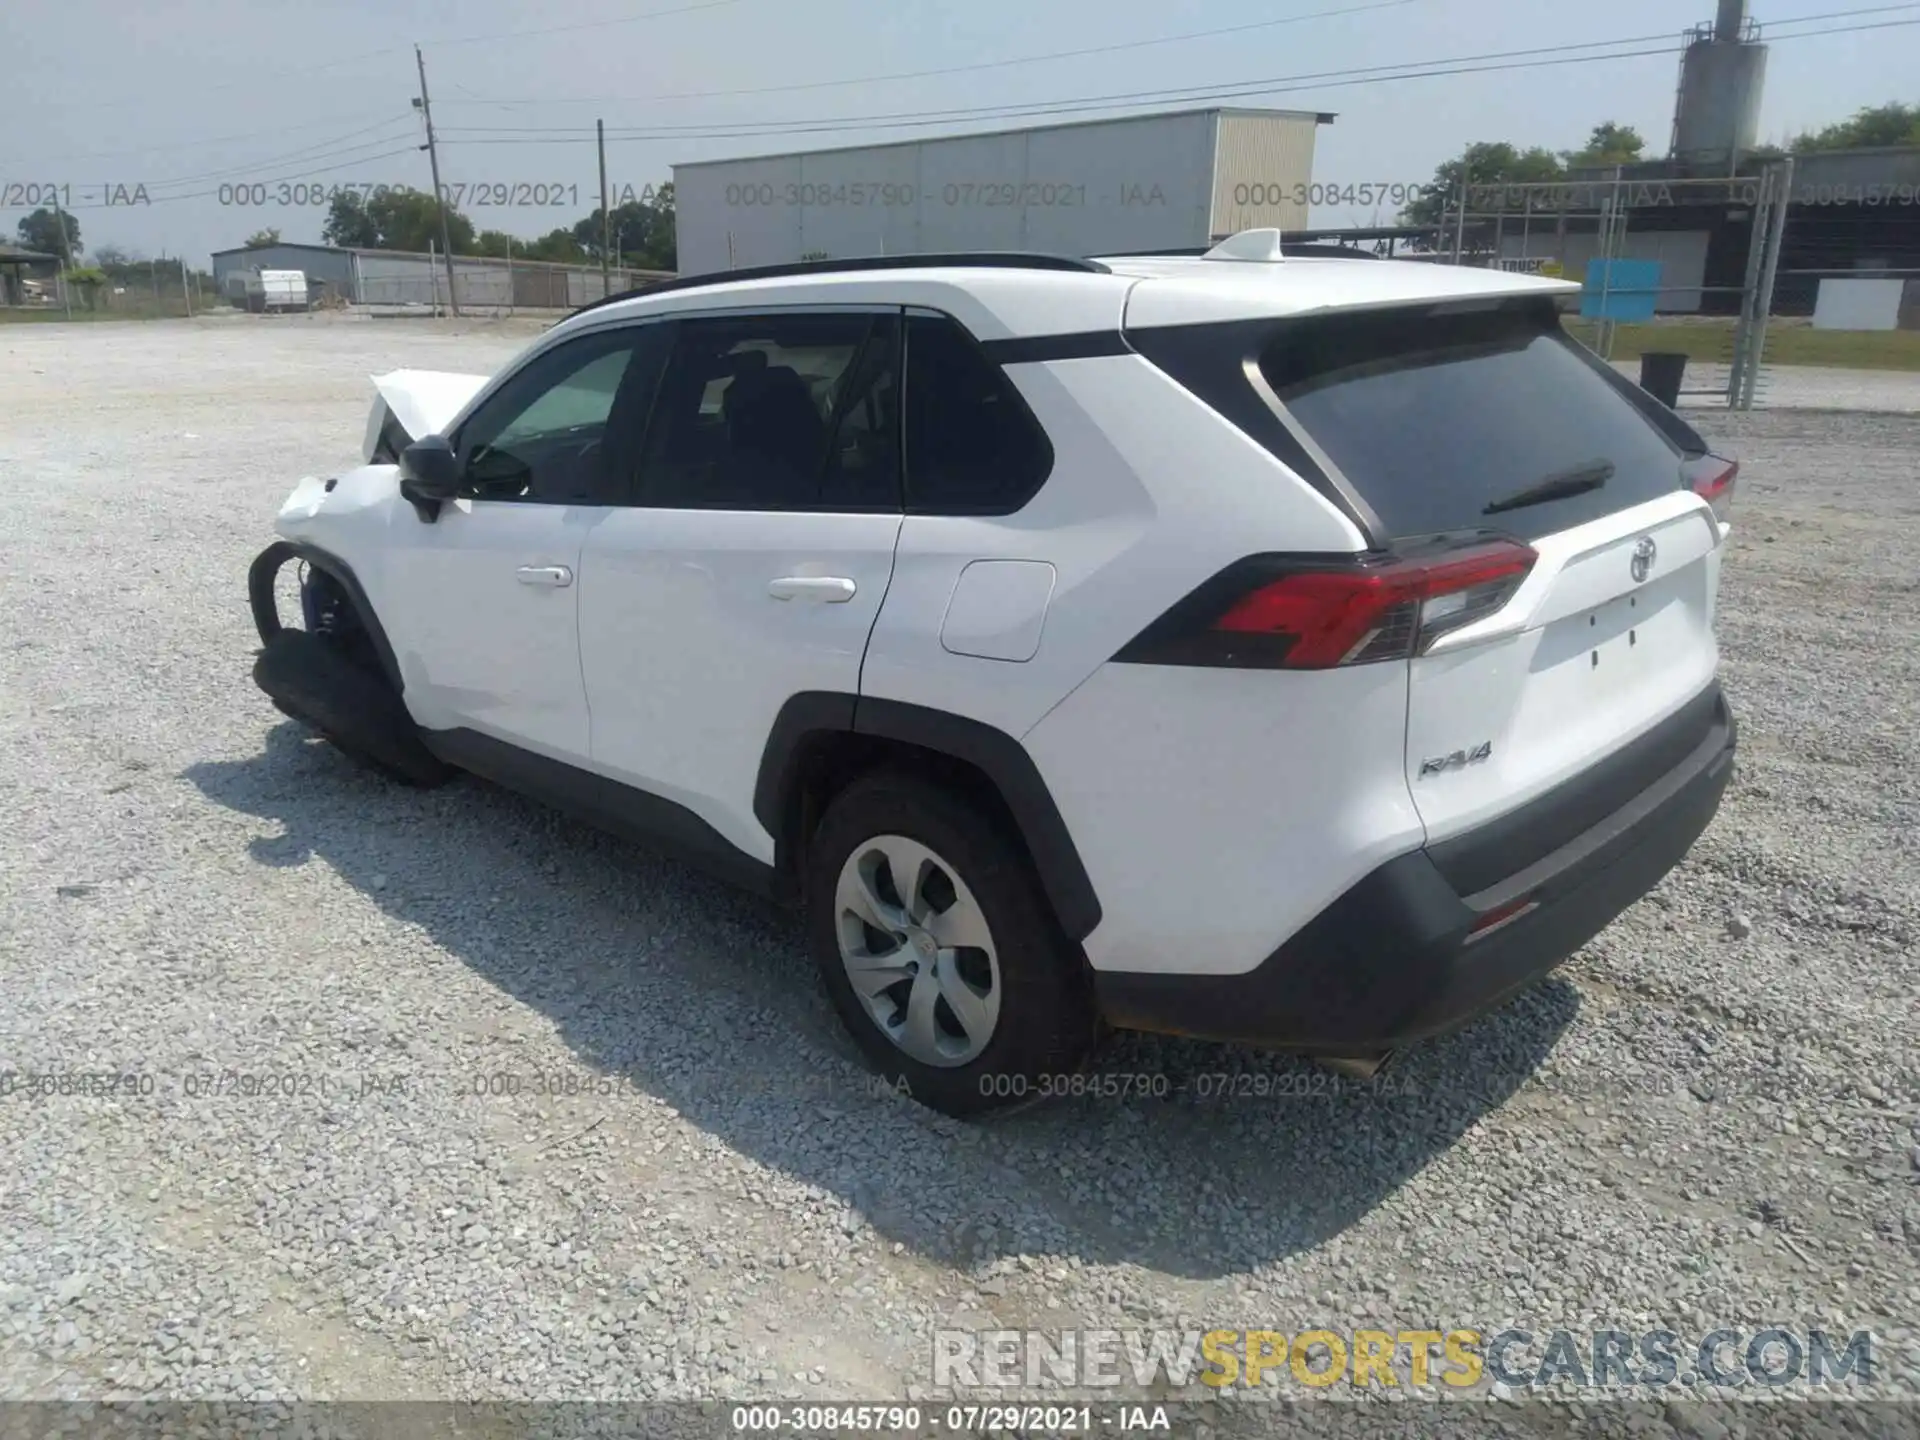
x=266, y=616
x=1394, y=960
x=1488, y=855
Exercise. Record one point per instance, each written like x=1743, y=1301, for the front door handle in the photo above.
x=821, y=589
x=545, y=575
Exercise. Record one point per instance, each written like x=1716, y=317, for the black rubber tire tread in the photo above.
x=317, y=683
x=1048, y=1022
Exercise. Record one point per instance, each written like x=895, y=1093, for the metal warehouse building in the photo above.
x=399, y=277
x=1173, y=180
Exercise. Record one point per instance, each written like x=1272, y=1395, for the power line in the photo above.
x=1534, y=57
x=199, y=144
x=588, y=24
x=253, y=80
x=1047, y=56
x=294, y=178
x=324, y=150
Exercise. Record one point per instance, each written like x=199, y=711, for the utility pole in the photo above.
x=186, y=291
x=606, y=216
x=66, y=258
x=433, y=160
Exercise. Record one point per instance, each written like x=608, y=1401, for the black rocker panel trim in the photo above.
x=622, y=810
x=266, y=618
x=996, y=754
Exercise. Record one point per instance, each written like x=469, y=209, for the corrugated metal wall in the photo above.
x=334, y=268
x=1094, y=188
x=1263, y=172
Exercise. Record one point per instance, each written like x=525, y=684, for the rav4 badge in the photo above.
x=1458, y=760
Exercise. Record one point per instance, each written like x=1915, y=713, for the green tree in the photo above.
x=1609, y=143
x=398, y=219
x=1890, y=124
x=348, y=224
x=86, y=281
x=269, y=236
x=642, y=232
x=41, y=231
x=410, y=220
x=559, y=246
x=1485, y=163
x=499, y=244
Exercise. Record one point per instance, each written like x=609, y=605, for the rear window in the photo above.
x=1435, y=417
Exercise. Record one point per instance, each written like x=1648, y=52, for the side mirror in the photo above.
x=429, y=476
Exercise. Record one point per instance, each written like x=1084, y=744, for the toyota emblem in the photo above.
x=1643, y=554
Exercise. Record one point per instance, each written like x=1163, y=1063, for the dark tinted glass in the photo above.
x=1433, y=418
x=777, y=412
x=973, y=447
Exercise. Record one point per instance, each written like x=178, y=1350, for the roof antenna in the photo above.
x=1248, y=245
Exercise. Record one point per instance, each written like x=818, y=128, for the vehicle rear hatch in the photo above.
x=1568, y=506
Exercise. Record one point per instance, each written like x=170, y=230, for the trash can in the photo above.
x=1660, y=375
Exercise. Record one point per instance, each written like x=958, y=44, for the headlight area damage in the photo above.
x=334, y=670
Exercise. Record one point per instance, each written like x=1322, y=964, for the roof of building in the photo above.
x=283, y=245
x=18, y=255
x=1319, y=117
x=462, y=260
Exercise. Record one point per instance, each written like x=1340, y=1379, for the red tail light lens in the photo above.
x=1712, y=480
x=1308, y=617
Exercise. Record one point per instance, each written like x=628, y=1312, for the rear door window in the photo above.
x=972, y=445
x=774, y=412
x=1449, y=421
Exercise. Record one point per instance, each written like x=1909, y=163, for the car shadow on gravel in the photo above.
x=1191, y=1159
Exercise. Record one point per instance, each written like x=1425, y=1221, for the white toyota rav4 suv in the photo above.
x=1299, y=651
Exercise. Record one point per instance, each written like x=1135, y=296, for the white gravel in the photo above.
x=1709, y=1118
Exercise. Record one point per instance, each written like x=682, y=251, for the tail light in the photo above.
x=1273, y=613
x=1712, y=480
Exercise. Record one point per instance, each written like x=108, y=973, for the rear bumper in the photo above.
x=1396, y=958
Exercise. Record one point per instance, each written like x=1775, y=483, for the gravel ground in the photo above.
x=1708, y=1118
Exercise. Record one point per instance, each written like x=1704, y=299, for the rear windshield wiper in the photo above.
x=1576, y=480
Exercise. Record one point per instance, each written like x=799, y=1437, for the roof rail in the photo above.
x=1329, y=252
x=981, y=260
x=1305, y=250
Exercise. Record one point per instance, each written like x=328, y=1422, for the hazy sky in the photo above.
x=183, y=98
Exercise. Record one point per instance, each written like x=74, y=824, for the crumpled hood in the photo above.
x=421, y=402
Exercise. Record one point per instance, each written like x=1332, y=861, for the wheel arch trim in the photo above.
x=266, y=614
x=812, y=715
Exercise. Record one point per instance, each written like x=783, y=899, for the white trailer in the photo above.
x=267, y=291
x=1180, y=180
x=284, y=289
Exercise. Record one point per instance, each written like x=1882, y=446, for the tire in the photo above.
x=351, y=705
x=1027, y=979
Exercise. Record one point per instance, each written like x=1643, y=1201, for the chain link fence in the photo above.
x=480, y=285
x=137, y=290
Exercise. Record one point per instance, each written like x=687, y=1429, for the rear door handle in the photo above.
x=821, y=589
x=545, y=575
